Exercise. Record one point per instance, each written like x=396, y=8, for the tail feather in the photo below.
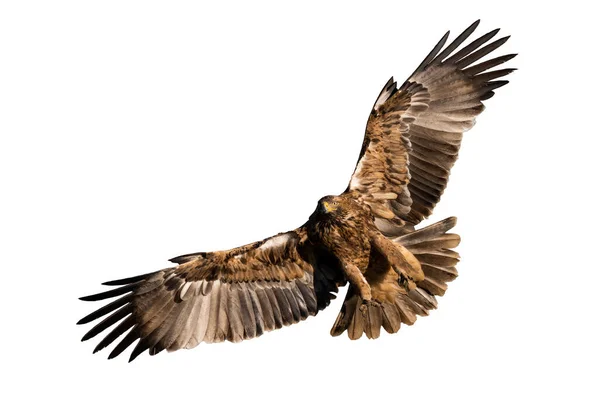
x=374, y=320
x=357, y=322
x=393, y=305
x=345, y=316
x=431, y=246
x=390, y=318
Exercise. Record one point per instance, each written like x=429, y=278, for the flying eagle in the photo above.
x=365, y=236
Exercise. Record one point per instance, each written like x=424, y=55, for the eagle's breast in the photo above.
x=346, y=233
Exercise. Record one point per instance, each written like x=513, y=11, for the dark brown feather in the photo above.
x=108, y=321
x=106, y=309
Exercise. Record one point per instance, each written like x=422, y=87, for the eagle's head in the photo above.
x=330, y=205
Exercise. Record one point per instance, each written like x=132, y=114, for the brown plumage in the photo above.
x=366, y=236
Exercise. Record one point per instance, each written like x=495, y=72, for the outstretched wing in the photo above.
x=211, y=297
x=414, y=132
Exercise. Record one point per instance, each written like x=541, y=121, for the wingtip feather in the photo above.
x=126, y=281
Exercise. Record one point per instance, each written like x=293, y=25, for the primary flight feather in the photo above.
x=365, y=237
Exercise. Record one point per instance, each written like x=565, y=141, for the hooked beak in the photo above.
x=325, y=207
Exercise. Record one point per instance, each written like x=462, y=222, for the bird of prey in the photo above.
x=366, y=236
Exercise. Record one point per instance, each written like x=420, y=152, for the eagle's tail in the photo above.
x=393, y=305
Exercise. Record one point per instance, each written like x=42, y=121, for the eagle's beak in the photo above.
x=323, y=207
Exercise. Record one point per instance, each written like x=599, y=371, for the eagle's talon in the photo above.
x=364, y=306
x=407, y=283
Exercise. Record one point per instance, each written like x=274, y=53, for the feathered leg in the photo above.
x=357, y=279
x=402, y=261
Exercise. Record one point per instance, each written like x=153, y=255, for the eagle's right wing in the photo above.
x=211, y=297
x=414, y=132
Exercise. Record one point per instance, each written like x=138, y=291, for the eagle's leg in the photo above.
x=404, y=263
x=357, y=279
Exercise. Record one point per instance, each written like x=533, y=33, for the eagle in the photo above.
x=366, y=237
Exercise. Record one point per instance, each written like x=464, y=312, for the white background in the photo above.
x=132, y=132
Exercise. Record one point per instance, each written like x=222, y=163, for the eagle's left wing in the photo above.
x=381, y=176
x=414, y=132
x=211, y=297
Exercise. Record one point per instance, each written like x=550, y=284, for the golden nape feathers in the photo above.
x=365, y=236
